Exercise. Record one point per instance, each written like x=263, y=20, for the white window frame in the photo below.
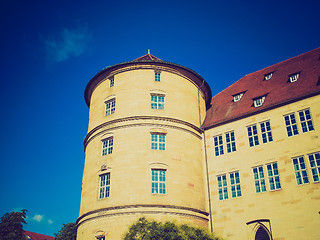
x=107, y=146
x=306, y=120
x=300, y=170
x=314, y=160
x=291, y=124
x=252, y=131
x=235, y=186
x=231, y=142
x=158, y=181
x=158, y=141
x=222, y=187
x=111, y=84
x=266, y=132
x=294, y=77
x=268, y=76
x=273, y=175
x=237, y=97
x=110, y=106
x=157, y=76
x=259, y=179
x=258, y=102
x=157, y=101
x=104, y=185
x=218, y=145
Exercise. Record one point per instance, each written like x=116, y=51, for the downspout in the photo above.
x=206, y=158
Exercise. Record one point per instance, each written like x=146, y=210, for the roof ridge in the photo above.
x=147, y=57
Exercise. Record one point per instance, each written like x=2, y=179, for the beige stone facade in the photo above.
x=157, y=146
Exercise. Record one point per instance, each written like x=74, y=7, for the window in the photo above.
x=231, y=142
x=266, y=132
x=294, y=77
x=107, y=146
x=158, y=141
x=104, y=191
x=157, y=77
x=314, y=160
x=259, y=181
x=300, y=170
x=222, y=187
x=258, y=101
x=157, y=101
x=253, y=135
x=111, y=82
x=273, y=174
x=291, y=124
x=237, y=97
x=305, y=120
x=158, y=185
x=235, y=184
x=218, y=145
x=101, y=238
x=268, y=76
x=110, y=106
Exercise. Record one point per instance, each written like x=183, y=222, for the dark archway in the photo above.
x=262, y=234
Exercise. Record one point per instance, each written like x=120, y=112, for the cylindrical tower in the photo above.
x=143, y=150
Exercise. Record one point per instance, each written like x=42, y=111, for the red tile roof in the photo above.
x=147, y=57
x=277, y=91
x=36, y=236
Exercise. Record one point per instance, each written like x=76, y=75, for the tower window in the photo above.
x=107, y=146
x=158, y=141
x=222, y=187
x=259, y=181
x=110, y=106
x=104, y=190
x=258, y=101
x=294, y=77
x=157, y=101
x=268, y=76
x=300, y=170
x=157, y=77
x=111, y=82
x=273, y=174
x=158, y=182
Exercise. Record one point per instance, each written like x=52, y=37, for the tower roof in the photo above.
x=273, y=83
x=147, y=57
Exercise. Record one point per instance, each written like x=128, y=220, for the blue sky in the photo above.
x=51, y=49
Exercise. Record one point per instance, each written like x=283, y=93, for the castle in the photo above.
x=244, y=163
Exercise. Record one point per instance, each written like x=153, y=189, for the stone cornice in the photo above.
x=85, y=217
x=92, y=134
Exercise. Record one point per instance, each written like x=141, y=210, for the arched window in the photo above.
x=262, y=234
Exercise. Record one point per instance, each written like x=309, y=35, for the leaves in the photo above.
x=11, y=225
x=144, y=229
x=67, y=232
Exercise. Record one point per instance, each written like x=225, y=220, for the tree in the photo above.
x=67, y=232
x=11, y=225
x=144, y=229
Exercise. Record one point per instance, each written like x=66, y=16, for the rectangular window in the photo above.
x=266, y=132
x=157, y=77
x=110, y=106
x=231, y=142
x=274, y=178
x=111, y=82
x=158, y=185
x=253, y=135
x=300, y=170
x=158, y=141
x=222, y=187
x=218, y=145
x=314, y=160
x=294, y=77
x=107, y=146
x=259, y=180
x=291, y=124
x=104, y=190
x=157, y=101
x=235, y=184
x=306, y=121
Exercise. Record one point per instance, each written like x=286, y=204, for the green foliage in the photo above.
x=11, y=225
x=144, y=229
x=67, y=232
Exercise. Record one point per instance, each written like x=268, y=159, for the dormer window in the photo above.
x=268, y=76
x=294, y=77
x=237, y=97
x=258, y=101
